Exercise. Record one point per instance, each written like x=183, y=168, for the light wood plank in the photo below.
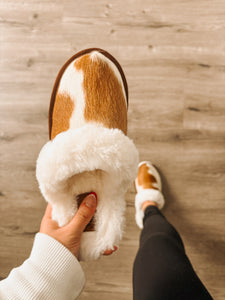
x=173, y=56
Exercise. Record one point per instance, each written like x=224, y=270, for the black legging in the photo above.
x=161, y=269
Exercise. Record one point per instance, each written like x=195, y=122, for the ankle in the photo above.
x=148, y=203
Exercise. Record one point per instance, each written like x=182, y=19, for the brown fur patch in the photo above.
x=104, y=99
x=62, y=111
x=145, y=179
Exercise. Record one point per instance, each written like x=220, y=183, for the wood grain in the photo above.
x=173, y=55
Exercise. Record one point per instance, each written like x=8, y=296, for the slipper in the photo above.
x=149, y=187
x=89, y=150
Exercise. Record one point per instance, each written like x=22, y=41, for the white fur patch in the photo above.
x=71, y=83
x=91, y=158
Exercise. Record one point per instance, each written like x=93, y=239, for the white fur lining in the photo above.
x=141, y=197
x=90, y=158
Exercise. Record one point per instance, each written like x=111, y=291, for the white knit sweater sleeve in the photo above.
x=51, y=272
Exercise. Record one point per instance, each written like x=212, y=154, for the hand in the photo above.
x=70, y=234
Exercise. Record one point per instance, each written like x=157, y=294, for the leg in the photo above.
x=161, y=268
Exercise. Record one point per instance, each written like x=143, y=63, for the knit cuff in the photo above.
x=65, y=277
x=51, y=272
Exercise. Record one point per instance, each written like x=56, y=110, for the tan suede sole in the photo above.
x=62, y=70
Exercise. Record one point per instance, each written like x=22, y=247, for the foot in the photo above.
x=148, y=186
x=146, y=179
x=148, y=203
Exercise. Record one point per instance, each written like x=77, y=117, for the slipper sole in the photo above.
x=91, y=225
x=62, y=70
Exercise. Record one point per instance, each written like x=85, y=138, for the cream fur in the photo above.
x=144, y=195
x=90, y=158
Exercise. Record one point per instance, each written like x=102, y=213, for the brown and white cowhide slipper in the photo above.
x=88, y=148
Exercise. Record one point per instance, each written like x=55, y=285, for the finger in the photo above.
x=84, y=214
x=48, y=212
x=47, y=219
x=110, y=251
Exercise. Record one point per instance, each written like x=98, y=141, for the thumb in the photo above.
x=84, y=214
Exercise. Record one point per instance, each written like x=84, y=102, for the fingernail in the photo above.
x=91, y=200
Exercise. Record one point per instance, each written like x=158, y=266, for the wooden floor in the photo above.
x=173, y=54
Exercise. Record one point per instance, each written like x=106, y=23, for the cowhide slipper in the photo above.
x=88, y=148
x=149, y=188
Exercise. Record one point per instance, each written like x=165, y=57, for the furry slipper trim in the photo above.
x=141, y=197
x=90, y=158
